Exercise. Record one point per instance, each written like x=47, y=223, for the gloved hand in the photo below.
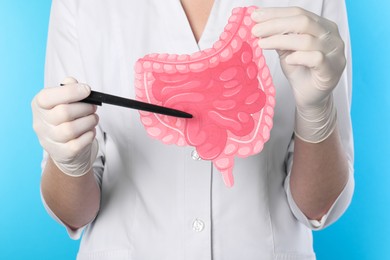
x=312, y=57
x=65, y=127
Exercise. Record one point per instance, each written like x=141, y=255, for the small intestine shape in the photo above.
x=227, y=88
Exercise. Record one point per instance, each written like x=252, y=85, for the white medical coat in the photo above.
x=157, y=201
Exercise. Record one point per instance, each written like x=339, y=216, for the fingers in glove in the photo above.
x=291, y=42
x=294, y=26
x=73, y=130
x=300, y=24
x=68, y=80
x=69, y=112
x=265, y=14
x=310, y=59
x=53, y=96
x=73, y=148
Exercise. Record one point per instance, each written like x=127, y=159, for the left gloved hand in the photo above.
x=312, y=57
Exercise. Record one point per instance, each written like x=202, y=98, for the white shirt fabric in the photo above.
x=157, y=201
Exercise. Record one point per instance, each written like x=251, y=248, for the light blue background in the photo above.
x=26, y=231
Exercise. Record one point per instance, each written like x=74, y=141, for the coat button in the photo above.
x=195, y=156
x=198, y=225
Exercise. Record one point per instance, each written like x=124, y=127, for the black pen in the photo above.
x=97, y=98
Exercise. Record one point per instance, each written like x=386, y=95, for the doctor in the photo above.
x=136, y=198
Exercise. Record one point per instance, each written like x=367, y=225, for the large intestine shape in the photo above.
x=227, y=88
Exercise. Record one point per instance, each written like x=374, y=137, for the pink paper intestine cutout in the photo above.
x=227, y=88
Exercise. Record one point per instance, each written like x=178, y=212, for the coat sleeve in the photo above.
x=334, y=11
x=63, y=59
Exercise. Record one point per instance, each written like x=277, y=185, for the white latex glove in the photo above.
x=65, y=127
x=312, y=58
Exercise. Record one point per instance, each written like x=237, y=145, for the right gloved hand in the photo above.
x=65, y=127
